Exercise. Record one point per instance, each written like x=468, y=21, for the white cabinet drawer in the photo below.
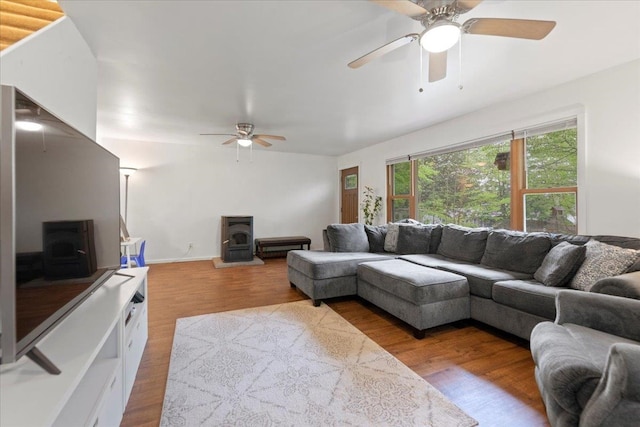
x=134, y=348
x=111, y=412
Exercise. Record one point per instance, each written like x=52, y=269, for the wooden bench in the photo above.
x=280, y=242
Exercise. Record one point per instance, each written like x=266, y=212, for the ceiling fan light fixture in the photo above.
x=440, y=36
x=28, y=125
x=244, y=142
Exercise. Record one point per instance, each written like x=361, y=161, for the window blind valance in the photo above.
x=568, y=123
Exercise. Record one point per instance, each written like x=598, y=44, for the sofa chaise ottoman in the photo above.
x=422, y=297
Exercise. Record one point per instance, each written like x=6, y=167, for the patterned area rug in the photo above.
x=295, y=365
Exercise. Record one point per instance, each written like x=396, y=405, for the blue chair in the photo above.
x=137, y=258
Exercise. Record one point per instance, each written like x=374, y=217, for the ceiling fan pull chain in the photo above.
x=420, y=77
x=44, y=144
x=251, y=153
x=237, y=153
x=460, y=62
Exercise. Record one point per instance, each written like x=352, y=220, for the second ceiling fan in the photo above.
x=442, y=31
x=245, y=137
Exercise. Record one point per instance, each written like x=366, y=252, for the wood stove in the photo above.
x=236, y=238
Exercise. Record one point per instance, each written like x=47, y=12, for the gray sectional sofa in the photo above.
x=428, y=275
x=504, y=269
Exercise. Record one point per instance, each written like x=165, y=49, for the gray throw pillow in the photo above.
x=602, y=261
x=376, y=235
x=559, y=264
x=413, y=239
x=515, y=250
x=347, y=238
x=463, y=243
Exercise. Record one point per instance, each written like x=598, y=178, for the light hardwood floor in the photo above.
x=487, y=373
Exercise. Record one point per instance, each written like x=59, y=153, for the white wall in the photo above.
x=608, y=105
x=56, y=68
x=180, y=191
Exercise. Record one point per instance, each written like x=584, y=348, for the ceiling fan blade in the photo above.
x=404, y=7
x=518, y=28
x=279, y=138
x=464, y=6
x=261, y=142
x=383, y=50
x=437, y=66
x=229, y=141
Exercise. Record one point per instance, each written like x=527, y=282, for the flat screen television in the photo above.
x=54, y=182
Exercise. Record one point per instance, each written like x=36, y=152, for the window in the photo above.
x=400, y=201
x=527, y=183
x=550, y=192
x=464, y=187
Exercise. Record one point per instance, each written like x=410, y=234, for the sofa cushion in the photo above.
x=602, y=261
x=348, y=238
x=391, y=239
x=413, y=239
x=560, y=264
x=327, y=265
x=481, y=278
x=529, y=296
x=576, y=239
x=376, y=235
x=431, y=260
x=463, y=243
x=570, y=360
x=515, y=250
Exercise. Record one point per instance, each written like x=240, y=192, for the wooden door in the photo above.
x=349, y=195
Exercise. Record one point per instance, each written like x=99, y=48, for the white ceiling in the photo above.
x=170, y=70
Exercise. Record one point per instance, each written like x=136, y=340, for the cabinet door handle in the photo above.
x=130, y=343
x=96, y=423
x=113, y=383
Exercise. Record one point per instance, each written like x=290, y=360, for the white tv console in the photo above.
x=98, y=348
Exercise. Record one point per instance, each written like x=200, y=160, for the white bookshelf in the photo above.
x=98, y=355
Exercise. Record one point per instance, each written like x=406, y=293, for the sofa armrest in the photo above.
x=611, y=314
x=616, y=400
x=625, y=285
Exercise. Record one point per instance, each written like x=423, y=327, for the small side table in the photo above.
x=126, y=245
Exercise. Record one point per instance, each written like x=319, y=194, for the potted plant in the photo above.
x=371, y=205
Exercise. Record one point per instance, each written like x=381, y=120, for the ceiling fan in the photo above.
x=244, y=136
x=442, y=31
